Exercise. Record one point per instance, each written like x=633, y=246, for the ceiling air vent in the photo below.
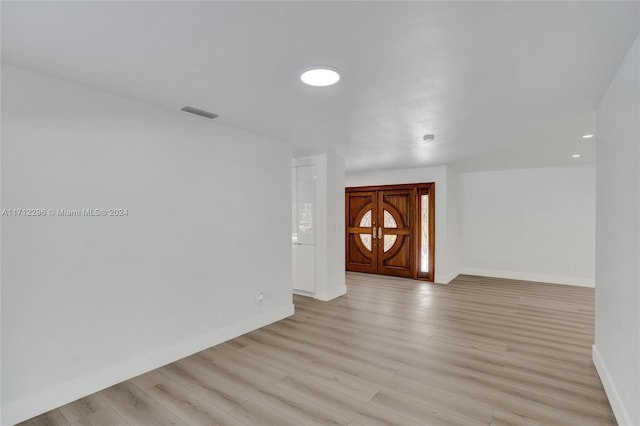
x=199, y=112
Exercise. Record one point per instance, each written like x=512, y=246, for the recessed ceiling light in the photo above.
x=575, y=156
x=320, y=76
x=587, y=136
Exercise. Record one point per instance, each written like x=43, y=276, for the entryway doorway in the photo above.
x=390, y=230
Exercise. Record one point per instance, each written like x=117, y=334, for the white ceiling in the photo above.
x=500, y=84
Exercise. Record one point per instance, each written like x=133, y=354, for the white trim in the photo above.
x=337, y=293
x=446, y=279
x=553, y=279
x=321, y=240
x=304, y=293
x=622, y=415
x=56, y=396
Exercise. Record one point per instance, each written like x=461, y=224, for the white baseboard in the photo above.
x=337, y=293
x=321, y=296
x=48, y=399
x=622, y=415
x=446, y=279
x=553, y=279
x=304, y=293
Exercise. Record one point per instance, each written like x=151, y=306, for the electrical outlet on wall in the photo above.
x=260, y=297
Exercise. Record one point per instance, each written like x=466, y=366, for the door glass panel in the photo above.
x=365, y=222
x=424, y=233
x=389, y=221
x=389, y=241
x=366, y=240
x=305, y=194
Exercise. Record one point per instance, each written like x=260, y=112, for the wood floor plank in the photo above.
x=425, y=393
x=50, y=418
x=188, y=406
x=104, y=417
x=545, y=367
x=304, y=410
x=336, y=379
x=255, y=413
x=238, y=366
x=217, y=392
x=393, y=351
x=136, y=407
x=82, y=408
x=149, y=379
x=501, y=418
x=345, y=405
x=425, y=413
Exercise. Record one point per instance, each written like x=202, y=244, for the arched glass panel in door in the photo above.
x=389, y=222
x=365, y=222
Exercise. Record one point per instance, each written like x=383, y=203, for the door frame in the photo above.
x=419, y=189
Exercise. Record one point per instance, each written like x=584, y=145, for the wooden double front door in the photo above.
x=389, y=230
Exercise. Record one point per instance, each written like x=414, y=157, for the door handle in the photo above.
x=373, y=234
x=379, y=232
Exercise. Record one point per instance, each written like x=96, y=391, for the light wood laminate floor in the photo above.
x=478, y=351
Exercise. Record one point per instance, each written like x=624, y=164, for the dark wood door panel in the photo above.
x=400, y=203
x=396, y=215
x=357, y=203
x=361, y=248
x=397, y=260
x=360, y=259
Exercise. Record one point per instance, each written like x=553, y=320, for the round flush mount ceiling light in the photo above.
x=587, y=136
x=320, y=76
x=575, y=156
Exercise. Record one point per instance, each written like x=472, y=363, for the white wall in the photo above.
x=532, y=224
x=90, y=301
x=330, y=267
x=328, y=249
x=454, y=232
x=616, y=352
x=446, y=266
